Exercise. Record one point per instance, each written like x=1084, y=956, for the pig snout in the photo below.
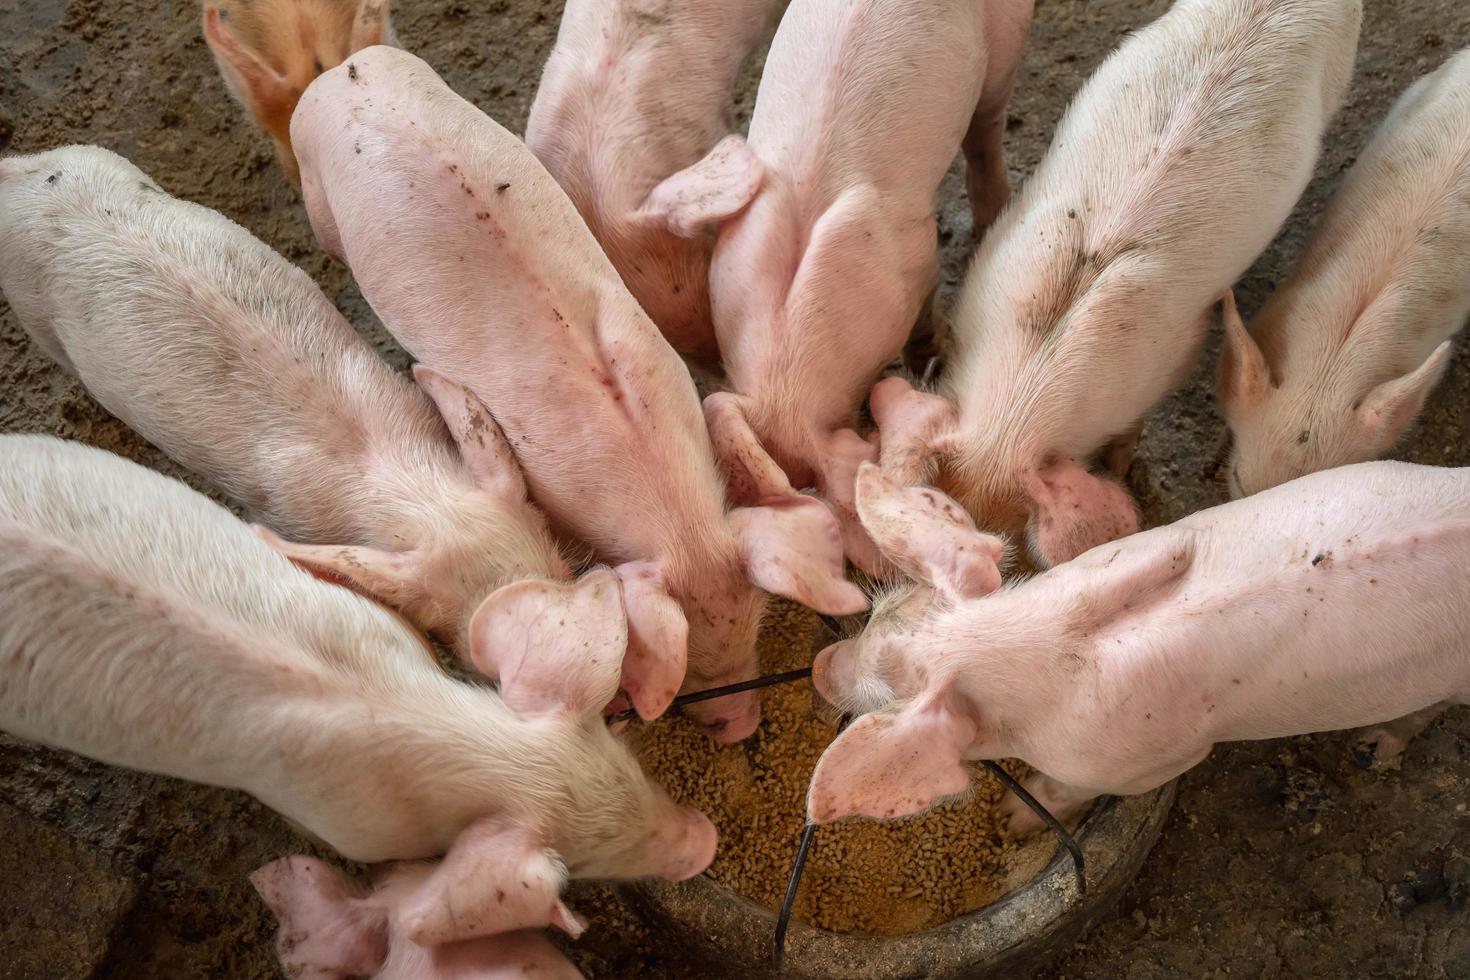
x=729, y=719
x=682, y=843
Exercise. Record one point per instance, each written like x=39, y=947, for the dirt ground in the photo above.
x=1282, y=859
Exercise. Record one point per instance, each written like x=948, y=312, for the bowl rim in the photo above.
x=1115, y=837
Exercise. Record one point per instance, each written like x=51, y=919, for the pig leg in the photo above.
x=1380, y=746
x=751, y=475
x=1063, y=801
x=909, y=422
x=985, y=167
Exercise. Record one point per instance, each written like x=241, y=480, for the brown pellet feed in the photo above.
x=861, y=877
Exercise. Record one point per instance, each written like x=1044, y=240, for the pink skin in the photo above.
x=332, y=928
x=1090, y=297
x=229, y=359
x=816, y=285
x=412, y=186
x=1339, y=362
x=225, y=664
x=632, y=94
x=1300, y=609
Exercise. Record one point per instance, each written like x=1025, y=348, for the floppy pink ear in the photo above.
x=1389, y=408
x=928, y=536
x=793, y=548
x=751, y=475
x=909, y=421
x=326, y=931
x=481, y=442
x=891, y=765
x=1075, y=511
x=841, y=456
x=389, y=577
x=658, y=640
x=712, y=190
x=495, y=878
x=372, y=25
x=1244, y=377
x=552, y=645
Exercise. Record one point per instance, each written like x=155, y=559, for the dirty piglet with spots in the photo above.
x=817, y=284
x=1091, y=297
x=479, y=264
x=1330, y=602
x=332, y=926
x=632, y=108
x=269, y=50
x=1342, y=357
x=231, y=360
x=145, y=626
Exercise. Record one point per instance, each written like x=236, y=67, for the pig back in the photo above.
x=481, y=267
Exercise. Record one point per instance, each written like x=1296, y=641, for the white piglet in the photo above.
x=632, y=95
x=143, y=625
x=230, y=359
x=481, y=267
x=1341, y=358
x=817, y=284
x=1333, y=601
x=1090, y=298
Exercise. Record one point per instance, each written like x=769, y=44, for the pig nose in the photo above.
x=696, y=848
x=833, y=672
x=730, y=719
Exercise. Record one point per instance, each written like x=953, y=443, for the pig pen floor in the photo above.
x=1282, y=858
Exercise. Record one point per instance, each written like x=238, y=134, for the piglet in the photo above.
x=481, y=267
x=143, y=625
x=632, y=95
x=1333, y=601
x=1090, y=298
x=231, y=360
x=817, y=284
x=269, y=50
x=1341, y=358
x=333, y=928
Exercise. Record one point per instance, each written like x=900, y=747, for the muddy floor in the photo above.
x=1282, y=859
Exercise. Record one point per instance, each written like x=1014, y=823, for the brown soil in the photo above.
x=1283, y=859
x=860, y=877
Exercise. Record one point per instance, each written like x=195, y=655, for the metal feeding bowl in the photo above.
x=733, y=937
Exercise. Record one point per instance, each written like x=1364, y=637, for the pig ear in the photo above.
x=1075, y=511
x=909, y=421
x=552, y=645
x=495, y=878
x=482, y=444
x=264, y=90
x=843, y=454
x=751, y=475
x=326, y=930
x=792, y=547
x=715, y=188
x=1389, y=408
x=658, y=640
x=891, y=765
x=928, y=536
x=371, y=25
x=1244, y=377
x=389, y=577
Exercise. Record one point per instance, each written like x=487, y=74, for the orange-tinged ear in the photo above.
x=1244, y=377
x=372, y=25
x=888, y=765
x=262, y=88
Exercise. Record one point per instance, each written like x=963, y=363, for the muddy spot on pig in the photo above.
x=1282, y=858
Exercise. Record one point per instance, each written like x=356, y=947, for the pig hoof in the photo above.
x=1019, y=819
x=1379, y=751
